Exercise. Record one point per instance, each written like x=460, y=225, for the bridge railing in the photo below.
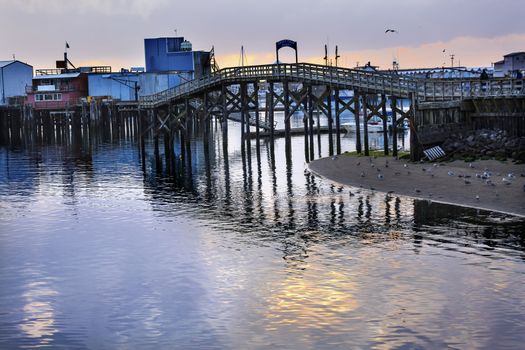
x=373, y=82
x=454, y=89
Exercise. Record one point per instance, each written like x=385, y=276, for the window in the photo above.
x=48, y=97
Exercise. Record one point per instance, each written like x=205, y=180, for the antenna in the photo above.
x=336, y=55
x=452, y=60
x=242, y=57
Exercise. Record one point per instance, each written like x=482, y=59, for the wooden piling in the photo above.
x=385, y=124
x=365, y=123
x=357, y=123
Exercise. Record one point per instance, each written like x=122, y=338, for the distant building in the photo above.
x=511, y=64
x=175, y=55
x=368, y=67
x=14, y=77
x=127, y=86
x=440, y=72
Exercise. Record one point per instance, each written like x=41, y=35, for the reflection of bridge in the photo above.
x=232, y=91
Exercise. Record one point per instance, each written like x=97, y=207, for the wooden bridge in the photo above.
x=236, y=93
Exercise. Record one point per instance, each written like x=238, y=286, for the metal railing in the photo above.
x=344, y=78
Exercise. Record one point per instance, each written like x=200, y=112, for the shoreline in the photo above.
x=482, y=184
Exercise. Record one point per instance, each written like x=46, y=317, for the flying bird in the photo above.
x=390, y=31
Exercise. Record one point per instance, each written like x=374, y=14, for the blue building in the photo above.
x=175, y=55
x=169, y=62
x=127, y=86
x=14, y=77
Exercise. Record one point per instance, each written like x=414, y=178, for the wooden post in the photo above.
x=337, y=122
x=243, y=110
x=224, y=93
x=365, y=123
x=357, y=123
x=393, y=106
x=271, y=113
x=257, y=123
x=414, y=142
x=311, y=121
x=385, y=124
x=330, y=121
x=306, y=131
x=287, y=116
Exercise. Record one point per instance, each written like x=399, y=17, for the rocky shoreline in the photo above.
x=484, y=144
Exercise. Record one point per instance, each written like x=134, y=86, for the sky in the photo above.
x=111, y=32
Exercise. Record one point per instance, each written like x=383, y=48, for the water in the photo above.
x=100, y=248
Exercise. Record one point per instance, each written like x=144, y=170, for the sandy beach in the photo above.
x=484, y=184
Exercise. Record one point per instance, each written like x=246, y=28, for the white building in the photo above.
x=510, y=65
x=14, y=77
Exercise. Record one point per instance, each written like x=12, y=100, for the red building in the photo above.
x=52, y=89
x=60, y=88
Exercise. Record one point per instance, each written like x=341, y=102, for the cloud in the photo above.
x=469, y=51
x=142, y=8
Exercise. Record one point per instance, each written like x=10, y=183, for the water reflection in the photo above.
x=212, y=243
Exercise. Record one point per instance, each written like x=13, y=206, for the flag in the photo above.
x=67, y=45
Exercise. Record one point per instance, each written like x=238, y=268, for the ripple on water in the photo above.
x=98, y=251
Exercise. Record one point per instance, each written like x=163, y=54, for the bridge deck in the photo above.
x=343, y=79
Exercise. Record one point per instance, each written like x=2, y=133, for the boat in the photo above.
x=375, y=125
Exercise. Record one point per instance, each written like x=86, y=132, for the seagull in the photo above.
x=334, y=157
x=470, y=165
x=477, y=197
x=467, y=182
x=380, y=176
x=506, y=181
x=417, y=191
x=450, y=173
x=362, y=174
x=391, y=31
x=405, y=165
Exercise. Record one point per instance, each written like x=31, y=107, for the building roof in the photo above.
x=57, y=76
x=514, y=54
x=7, y=63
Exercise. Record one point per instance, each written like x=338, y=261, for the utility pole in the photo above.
x=325, y=55
x=336, y=55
